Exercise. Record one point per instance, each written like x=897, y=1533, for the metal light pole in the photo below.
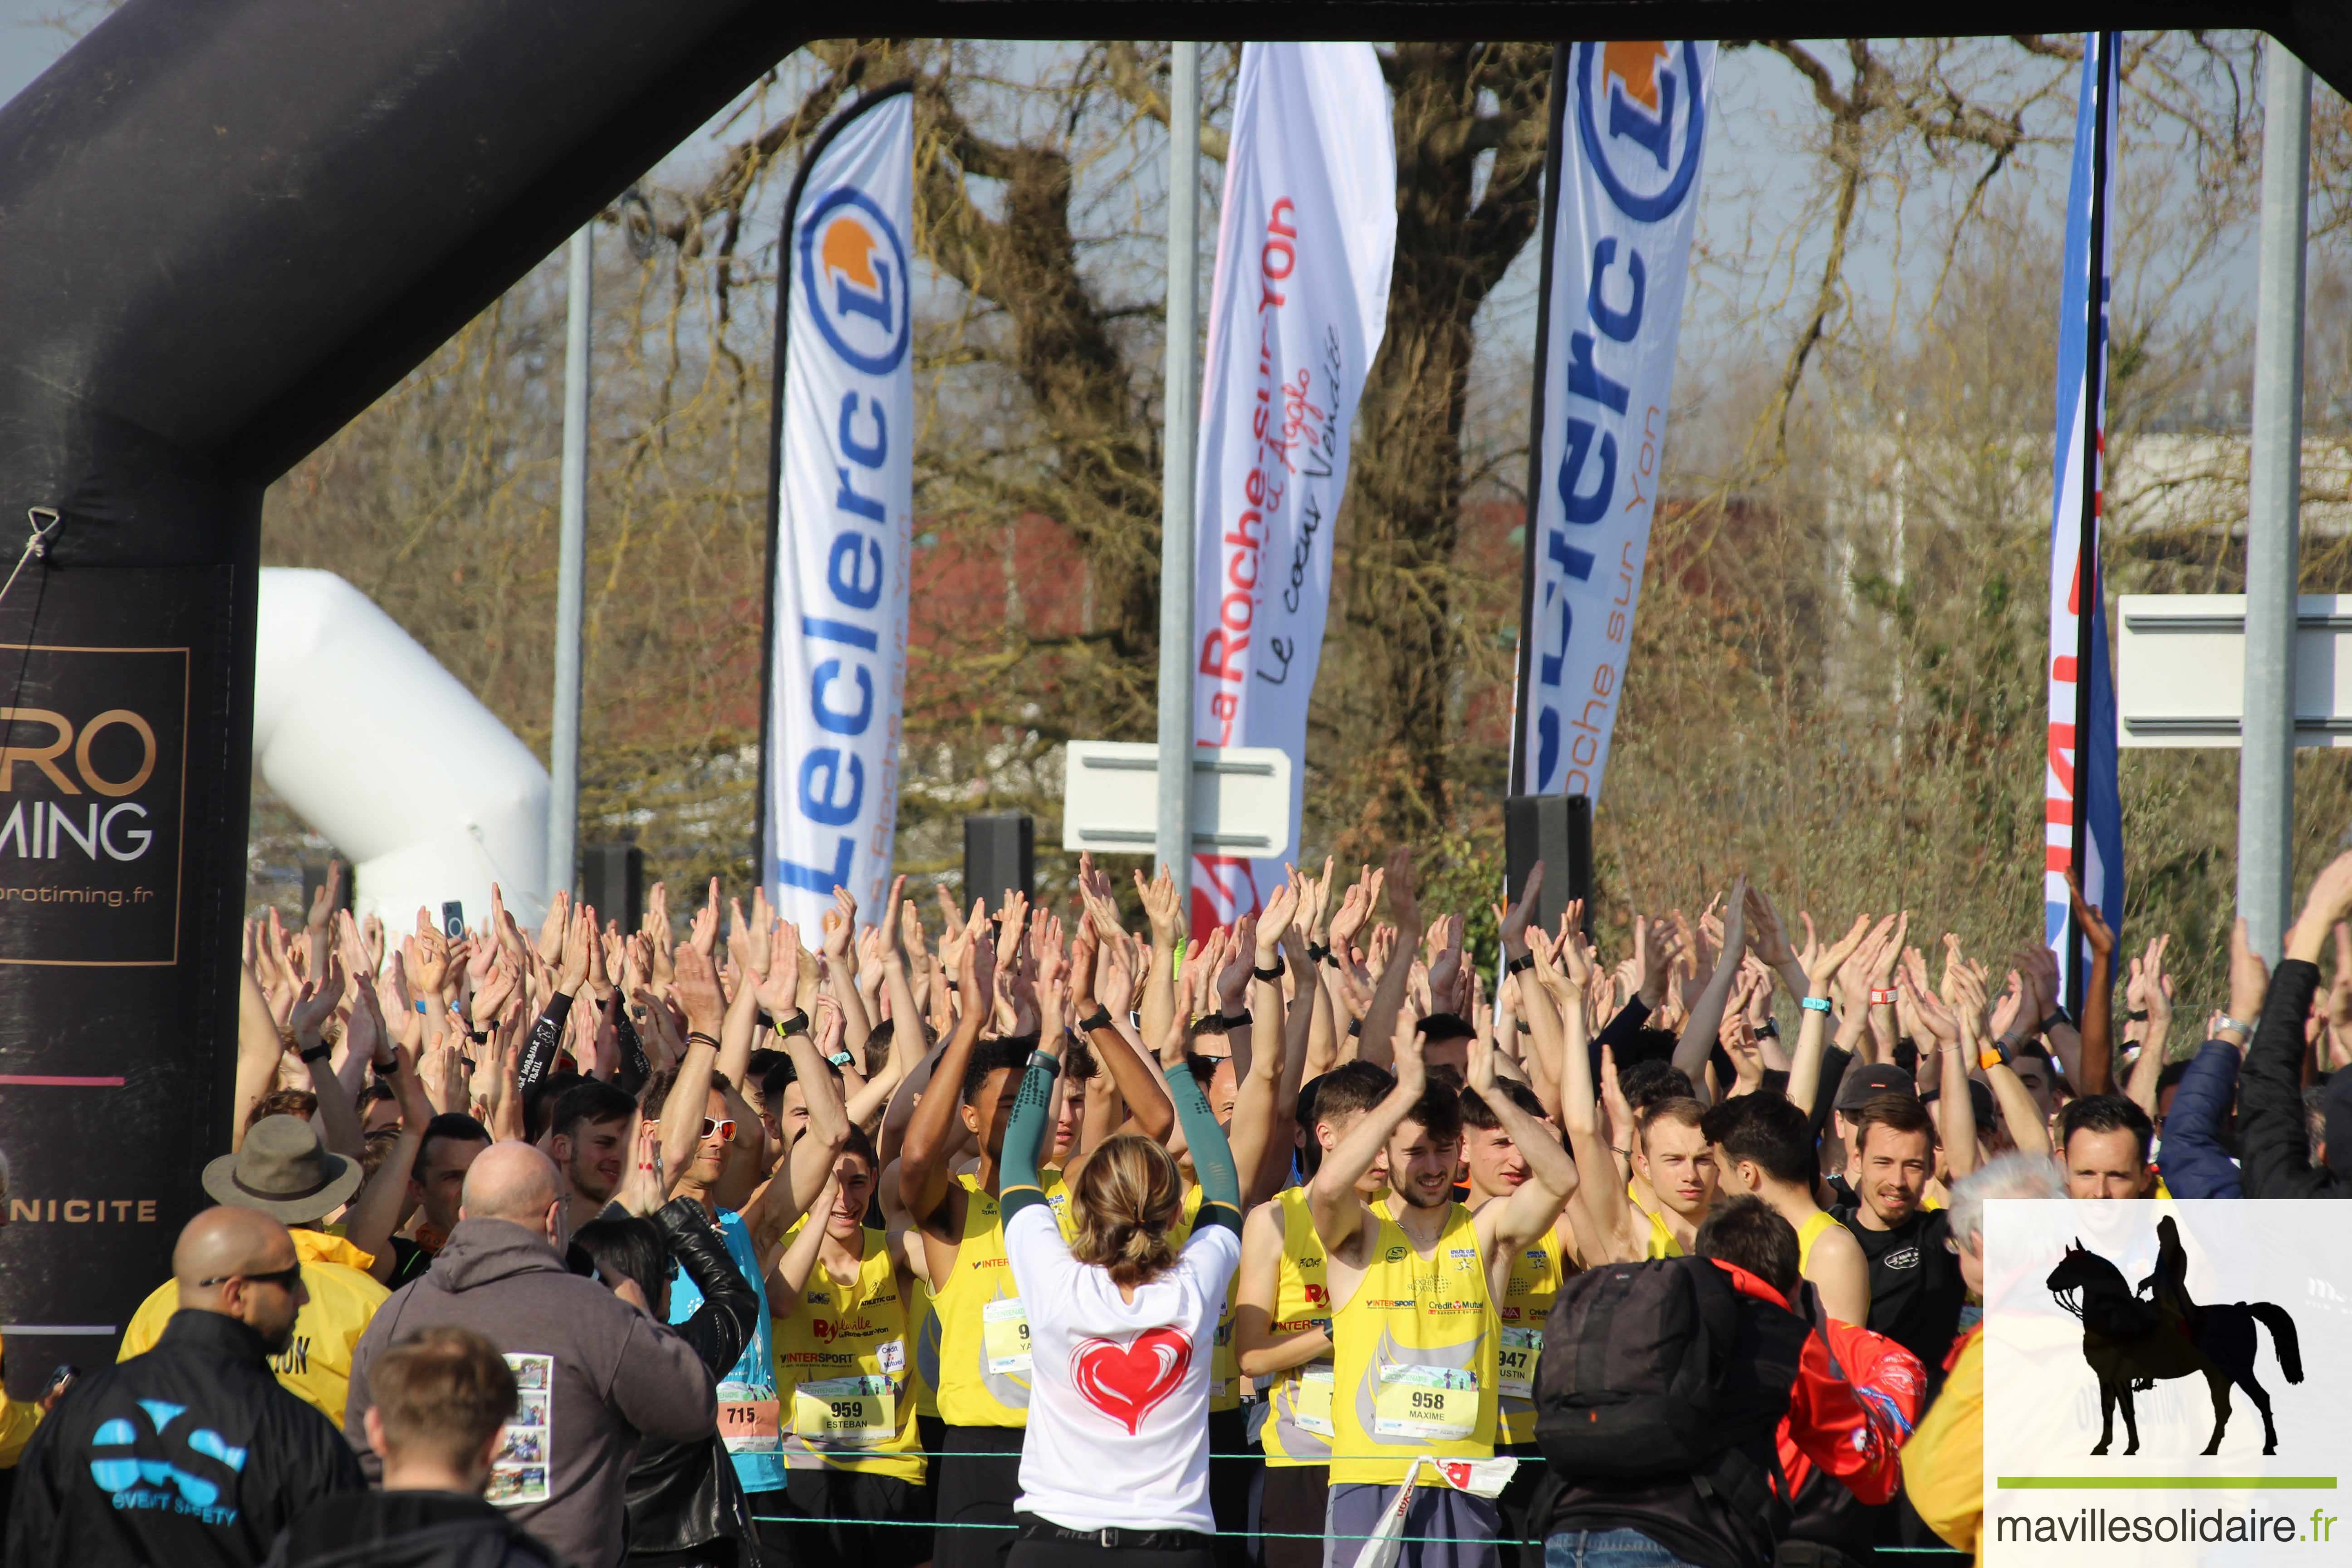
x=1182, y=401
x=2275, y=479
x=571, y=577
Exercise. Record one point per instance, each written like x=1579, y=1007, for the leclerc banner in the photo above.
x=1305, y=241
x=2084, y=828
x=837, y=552
x=1628, y=140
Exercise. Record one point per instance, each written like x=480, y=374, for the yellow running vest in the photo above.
x=1809, y=1233
x=1536, y=1278
x=1662, y=1242
x=842, y=1361
x=984, y=1374
x=1416, y=1354
x=1299, y=1415
x=1224, y=1362
x=923, y=1366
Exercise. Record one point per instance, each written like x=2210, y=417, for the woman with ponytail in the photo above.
x=1122, y=1328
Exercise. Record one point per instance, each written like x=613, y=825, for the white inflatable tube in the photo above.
x=391, y=759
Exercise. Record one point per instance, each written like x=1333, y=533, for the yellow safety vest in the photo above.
x=1536, y=1275
x=316, y=1367
x=842, y=1364
x=1298, y=1415
x=1416, y=1352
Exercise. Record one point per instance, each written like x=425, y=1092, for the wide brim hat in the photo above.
x=281, y=1170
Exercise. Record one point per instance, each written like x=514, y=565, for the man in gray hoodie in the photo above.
x=594, y=1374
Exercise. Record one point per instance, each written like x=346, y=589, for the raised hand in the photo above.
x=697, y=990
x=1768, y=938
x=1276, y=919
x=1161, y=907
x=703, y=934
x=329, y=899
x=1513, y=921
x=579, y=941
x=316, y=1000
x=1232, y=973
x=557, y=922
x=1314, y=905
x=1402, y=901
x=1821, y=964
x=2095, y=930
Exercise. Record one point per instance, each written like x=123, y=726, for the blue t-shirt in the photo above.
x=759, y=1461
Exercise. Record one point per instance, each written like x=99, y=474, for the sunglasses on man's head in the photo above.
x=283, y=1278
x=723, y=1130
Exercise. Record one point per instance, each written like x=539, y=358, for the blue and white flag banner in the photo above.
x=1305, y=240
x=1628, y=143
x=844, y=498
x=2084, y=830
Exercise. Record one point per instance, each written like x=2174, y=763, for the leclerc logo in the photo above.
x=853, y=277
x=1642, y=118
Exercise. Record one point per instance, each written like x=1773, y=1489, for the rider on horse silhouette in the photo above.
x=2166, y=1285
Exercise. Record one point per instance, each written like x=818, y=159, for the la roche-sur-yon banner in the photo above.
x=1628, y=144
x=843, y=489
x=2165, y=1382
x=2084, y=829
x=1305, y=242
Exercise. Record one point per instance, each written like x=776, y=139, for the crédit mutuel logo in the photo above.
x=1642, y=120
x=2165, y=1382
x=853, y=272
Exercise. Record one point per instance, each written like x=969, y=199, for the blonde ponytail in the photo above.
x=1129, y=1194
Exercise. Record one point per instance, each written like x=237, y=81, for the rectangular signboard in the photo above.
x=93, y=753
x=2166, y=1383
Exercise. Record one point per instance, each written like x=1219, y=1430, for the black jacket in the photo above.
x=191, y=1455
x=408, y=1529
x=683, y=1495
x=2273, y=1144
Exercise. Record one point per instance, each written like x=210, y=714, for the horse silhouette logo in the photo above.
x=2132, y=1338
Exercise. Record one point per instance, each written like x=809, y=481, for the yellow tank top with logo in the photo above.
x=983, y=1369
x=1416, y=1356
x=1298, y=1404
x=1536, y=1275
x=842, y=1361
x=1809, y=1232
x=1662, y=1242
x=1225, y=1363
x=923, y=1363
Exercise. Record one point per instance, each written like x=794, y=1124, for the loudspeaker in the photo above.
x=314, y=876
x=1556, y=829
x=1000, y=856
x=613, y=882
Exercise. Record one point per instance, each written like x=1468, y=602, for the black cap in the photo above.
x=1862, y=1084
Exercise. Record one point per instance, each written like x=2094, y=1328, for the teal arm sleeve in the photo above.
x=1212, y=1157
x=1025, y=1137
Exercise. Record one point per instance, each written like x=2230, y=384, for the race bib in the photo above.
x=750, y=1425
x=1005, y=1336
x=1434, y=1403
x=1514, y=1366
x=860, y=1411
x=1311, y=1390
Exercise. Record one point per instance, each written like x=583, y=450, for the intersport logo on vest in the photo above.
x=1630, y=139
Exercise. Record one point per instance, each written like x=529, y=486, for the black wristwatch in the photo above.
x=1099, y=1019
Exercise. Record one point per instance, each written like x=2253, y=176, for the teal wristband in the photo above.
x=1814, y=1004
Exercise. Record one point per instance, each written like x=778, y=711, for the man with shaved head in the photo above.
x=192, y=1453
x=593, y=1374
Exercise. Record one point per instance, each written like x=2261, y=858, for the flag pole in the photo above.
x=2087, y=557
x=2266, y=744
x=1181, y=405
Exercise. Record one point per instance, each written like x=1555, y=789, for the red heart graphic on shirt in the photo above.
x=1126, y=1382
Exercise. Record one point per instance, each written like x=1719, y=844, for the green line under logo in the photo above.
x=2167, y=1483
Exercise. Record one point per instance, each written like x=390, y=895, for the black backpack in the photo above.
x=1658, y=1371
